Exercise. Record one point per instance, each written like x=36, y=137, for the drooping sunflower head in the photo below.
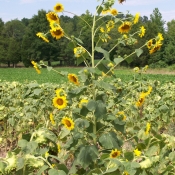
x=125, y=27
x=52, y=16
x=156, y=47
x=160, y=37
x=136, y=18
x=115, y=153
x=43, y=36
x=142, y=31
x=114, y=12
x=60, y=102
x=149, y=44
x=58, y=7
x=35, y=65
x=120, y=1
x=57, y=32
x=73, y=78
x=68, y=123
x=141, y=100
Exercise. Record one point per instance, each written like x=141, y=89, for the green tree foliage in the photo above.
x=169, y=52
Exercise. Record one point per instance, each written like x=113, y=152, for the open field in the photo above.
x=29, y=74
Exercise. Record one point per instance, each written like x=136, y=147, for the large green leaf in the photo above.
x=56, y=172
x=87, y=155
x=138, y=52
x=118, y=60
x=91, y=106
x=100, y=110
x=109, y=140
x=42, y=169
x=105, y=53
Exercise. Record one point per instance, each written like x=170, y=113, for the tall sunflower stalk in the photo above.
x=88, y=122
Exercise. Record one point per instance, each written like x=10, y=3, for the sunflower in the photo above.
x=104, y=12
x=52, y=119
x=149, y=44
x=35, y=65
x=160, y=37
x=148, y=126
x=73, y=78
x=78, y=51
x=120, y=1
x=68, y=123
x=142, y=31
x=58, y=7
x=83, y=101
x=156, y=47
x=136, y=18
x=52, y=16
x=113, y=12
x=43, y=36
x=124, y=27
x=60, y=102
x=57, y=32
x=114, y=153
x=137, y=152
x=54, y=24
x=110, y=25
x=141, y=100
x=60, y=92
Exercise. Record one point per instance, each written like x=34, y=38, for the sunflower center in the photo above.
x=74, y=79
x=53, y=17
x=58, y=32
x=60, y=101
x=126, y=27
x=58, y=7
x=141, y=100
x=68, y=123
x=115, y=154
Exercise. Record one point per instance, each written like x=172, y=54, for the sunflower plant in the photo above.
x=98, y=125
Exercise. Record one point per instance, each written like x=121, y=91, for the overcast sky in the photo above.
x=18, y=9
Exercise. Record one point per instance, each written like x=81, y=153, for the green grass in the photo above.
x=29, y=74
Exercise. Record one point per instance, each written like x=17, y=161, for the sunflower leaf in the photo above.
x=138, y=52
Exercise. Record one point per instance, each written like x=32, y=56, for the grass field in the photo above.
x=29, y=74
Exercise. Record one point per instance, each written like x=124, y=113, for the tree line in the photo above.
x=19, y=43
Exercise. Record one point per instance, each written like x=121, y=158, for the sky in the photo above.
x=18, y=9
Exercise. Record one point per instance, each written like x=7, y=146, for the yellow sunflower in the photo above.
x=156, y=47
x=115, y=153
x=43, y=36
x=73, y=78
x=83, y=101
x=104, y=12
x=35, y=65
x=52, y=16
x=141, y=100
x=52, y=119
x=114, y=12
x=68, y=123
x=148, y=126
x=160, y=37
x=120, y=1
x=60, y=102
x=142, y=31
x=58, y=7
x=137, y=152
x=57, y=32
x=78, y=51
x=54, y=24
x=110, y=25
x=125, y=27
x=60, y=92
x=149, y=44
x=136, y=18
